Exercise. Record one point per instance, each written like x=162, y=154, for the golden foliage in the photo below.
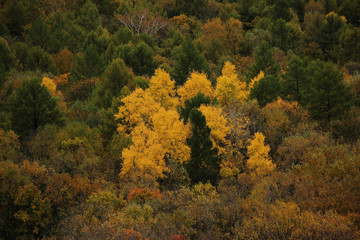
x=218, y=124
x=172, y=134
x=255, y=80
x=9, y=145
x=197, y=83
x=137, y=108
x=162, y=89
x=213, y=29
x=145, y=157
x=183, y=23
x=229, y=88
x=258, y=153
x=334, y=15
x=52, y=88
x=155, y=127
x=61, y=80
x=50, y=85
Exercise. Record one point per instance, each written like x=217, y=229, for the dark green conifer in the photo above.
x=190, y=59
x=32, y=106
x=329, y=96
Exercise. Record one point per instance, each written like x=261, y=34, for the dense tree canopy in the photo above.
x=179, y=119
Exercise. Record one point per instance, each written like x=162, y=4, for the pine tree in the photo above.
x=32, y=106
x=190, y=59
x=204, y=161
x=266, y=90
x=329, y=97
x=88, y=66
x=39, y=33
x=264, y=60
x=204, y=164
x=297, y=80
x=90, y=17
x=193, y=103
x=142, y=59
x=115, y=77
x=16, y=13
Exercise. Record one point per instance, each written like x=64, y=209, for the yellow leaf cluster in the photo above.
x=138, y=107
x=229, y=87
x=157, y=132
x=256, y=79
x=334, y=15
x=51, y=87
x=218, y=125
x=172, y=134
x=258, y=153
x=145, y=157
x=197, y=83
x=162, y=89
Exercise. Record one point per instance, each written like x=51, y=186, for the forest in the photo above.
x=180, y=119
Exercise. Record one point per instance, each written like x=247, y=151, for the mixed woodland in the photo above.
x=178, y=119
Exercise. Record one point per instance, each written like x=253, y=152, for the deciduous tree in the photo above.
x=259, y=161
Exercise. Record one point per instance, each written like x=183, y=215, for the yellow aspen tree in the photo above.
x=233, y=161
x=138, y=107
x=172, y=134
x=259, y=160
x=196, y=83
x=229, y=87
x=162, y=89
x=145, y=157
x=218, y=124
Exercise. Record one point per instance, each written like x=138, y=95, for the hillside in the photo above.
x=176, y=119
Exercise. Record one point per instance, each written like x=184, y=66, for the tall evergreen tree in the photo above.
x=16, y=15
x=329, y=97
x=90, y=17
x=266, y=90
x=204, y=164
x=190, y=59
x=264, y=61
x=193, y=103
x=38, y=59
x=280, y=9
x=204, y=161
x=328, y=36
x=297, y=79
x=39, y=33
x=88, y=66
x=142, y=59
x=32, y=106
x=115, y=77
